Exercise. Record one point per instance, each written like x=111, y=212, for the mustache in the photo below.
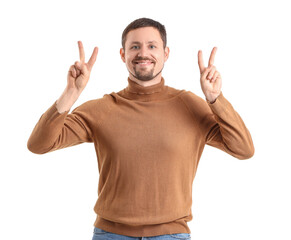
x=143, y=59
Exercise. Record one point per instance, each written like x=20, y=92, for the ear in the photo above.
x=122, y=54
x=167, y=52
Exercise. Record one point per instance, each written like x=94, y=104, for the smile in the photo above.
x=143, y=63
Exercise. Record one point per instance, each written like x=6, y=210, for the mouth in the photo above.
x=143, y=63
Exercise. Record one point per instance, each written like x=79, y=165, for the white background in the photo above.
x=52, y=196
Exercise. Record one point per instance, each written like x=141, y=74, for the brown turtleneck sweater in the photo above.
x=148, y=141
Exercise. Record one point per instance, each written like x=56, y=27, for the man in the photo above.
x=148, y=137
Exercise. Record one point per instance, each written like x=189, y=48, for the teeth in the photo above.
x=143, y=63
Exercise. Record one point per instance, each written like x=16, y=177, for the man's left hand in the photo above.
x=210, y=79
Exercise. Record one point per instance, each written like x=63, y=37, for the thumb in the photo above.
x=82, y=67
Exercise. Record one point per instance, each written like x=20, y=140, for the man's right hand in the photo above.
x=77, y=79
x=79, y=73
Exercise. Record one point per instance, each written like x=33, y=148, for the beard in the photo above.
x=144, y=75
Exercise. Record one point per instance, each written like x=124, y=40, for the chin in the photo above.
x=143, y=78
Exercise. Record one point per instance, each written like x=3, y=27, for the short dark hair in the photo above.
x=145, y=22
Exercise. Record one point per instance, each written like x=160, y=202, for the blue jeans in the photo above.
x=100, y=234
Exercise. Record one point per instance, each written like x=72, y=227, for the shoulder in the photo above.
x=194, y=102
x=95, y=105
x=174, y=91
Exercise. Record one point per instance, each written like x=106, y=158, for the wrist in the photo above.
x=72, y=92
x=212, y=99
x=67, y=99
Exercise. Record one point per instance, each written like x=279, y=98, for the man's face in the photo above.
x=144, y=54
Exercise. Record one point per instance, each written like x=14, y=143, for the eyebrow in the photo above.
x=136, y=42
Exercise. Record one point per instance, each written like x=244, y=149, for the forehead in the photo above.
x=144, y=34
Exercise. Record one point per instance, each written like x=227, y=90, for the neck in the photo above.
x=154, y=92
x=148, y=83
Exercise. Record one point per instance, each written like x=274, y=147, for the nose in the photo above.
x=142, y=51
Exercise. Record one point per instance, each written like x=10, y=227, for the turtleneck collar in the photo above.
x=134, y=87
x=134, y=91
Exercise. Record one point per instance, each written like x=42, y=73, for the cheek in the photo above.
x=160, y=59
x=128, y=59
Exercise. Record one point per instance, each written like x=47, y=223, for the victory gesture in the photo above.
x=78, y=76
x=79, y=73
x=210, y=79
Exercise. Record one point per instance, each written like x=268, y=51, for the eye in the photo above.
x=134, y=47
x=152, y=46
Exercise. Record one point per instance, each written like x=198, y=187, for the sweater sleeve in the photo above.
x=220, y=125
x=56, y=130
x=226, y=130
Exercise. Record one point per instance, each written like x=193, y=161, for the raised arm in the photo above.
x=225, y=128
x=56, y=128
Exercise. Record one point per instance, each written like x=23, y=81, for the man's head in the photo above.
x=144, y=49
x=145, y=22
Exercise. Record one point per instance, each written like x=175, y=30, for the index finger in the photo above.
x=81, y=51
x=211, y=59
